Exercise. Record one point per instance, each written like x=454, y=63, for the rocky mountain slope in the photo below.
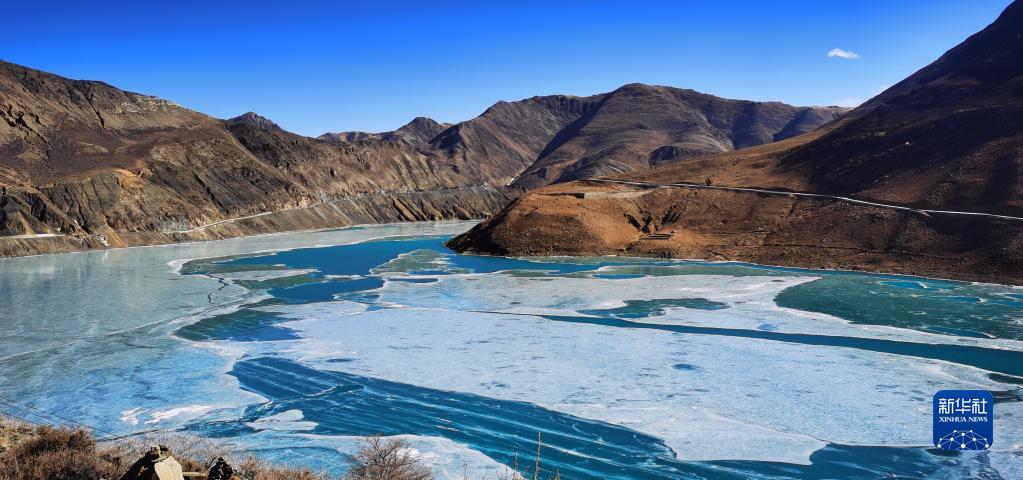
x=556, y=138
x=639, y=126
x=949, y=137
x=84, y=164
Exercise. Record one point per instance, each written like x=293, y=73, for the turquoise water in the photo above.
x=628, y=368
x=929, y=305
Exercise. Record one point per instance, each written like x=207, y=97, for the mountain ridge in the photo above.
x=86, y=165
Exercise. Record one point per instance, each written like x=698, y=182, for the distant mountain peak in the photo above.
x=635, y=86
x=421, y=129
x=422, y=121
x=256, y=120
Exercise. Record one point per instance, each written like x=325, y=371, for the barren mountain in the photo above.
x=638, y=126
x=949, y=137
x=558, y=138
x=84, y=164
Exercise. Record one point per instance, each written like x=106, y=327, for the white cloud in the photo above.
x=838, y=52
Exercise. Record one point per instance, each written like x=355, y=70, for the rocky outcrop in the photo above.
x=947, y=138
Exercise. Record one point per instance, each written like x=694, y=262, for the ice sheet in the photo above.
x=742, y=398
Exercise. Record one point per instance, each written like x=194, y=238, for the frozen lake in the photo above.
x=294, y=346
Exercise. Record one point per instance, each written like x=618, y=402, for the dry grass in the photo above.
x=29, y=452
x=49, y=453
x=255, y=469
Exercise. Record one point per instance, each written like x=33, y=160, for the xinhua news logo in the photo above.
x=964, y=420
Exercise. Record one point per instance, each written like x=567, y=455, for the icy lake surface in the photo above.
x=297, y=346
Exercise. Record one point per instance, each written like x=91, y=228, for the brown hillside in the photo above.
x=948, y=137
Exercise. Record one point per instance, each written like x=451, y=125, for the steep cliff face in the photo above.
x=948, y=137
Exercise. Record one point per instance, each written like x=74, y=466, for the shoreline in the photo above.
x=800, y=267
x=843, y=271
x=237, y=237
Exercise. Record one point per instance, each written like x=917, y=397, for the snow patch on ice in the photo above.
x=288, y=420
x=190, y=411
x=131, y=417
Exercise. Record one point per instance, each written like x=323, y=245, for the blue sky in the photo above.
x=329, y=66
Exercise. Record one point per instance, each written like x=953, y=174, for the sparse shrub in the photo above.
x=63, y=464
x=387, y=459
x=51, y=439
x=50, y=453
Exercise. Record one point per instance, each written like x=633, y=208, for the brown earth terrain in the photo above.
x=948, y=137
x=86, y=165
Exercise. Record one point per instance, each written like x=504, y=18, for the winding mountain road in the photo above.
x=806, y=195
